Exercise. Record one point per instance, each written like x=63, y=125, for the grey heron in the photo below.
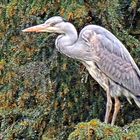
x=104, y=56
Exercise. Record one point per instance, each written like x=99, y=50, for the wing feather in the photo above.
x=115, y=60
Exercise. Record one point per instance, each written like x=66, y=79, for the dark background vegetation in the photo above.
x=44, y=94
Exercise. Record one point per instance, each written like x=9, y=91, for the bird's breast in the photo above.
x=97, y=74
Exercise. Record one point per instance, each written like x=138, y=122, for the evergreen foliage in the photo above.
x=95, y=130
x=43, y=92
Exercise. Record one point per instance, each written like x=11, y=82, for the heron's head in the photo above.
x=54, y=24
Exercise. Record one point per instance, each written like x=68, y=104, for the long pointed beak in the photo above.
x=37, y=28
x=43, y=28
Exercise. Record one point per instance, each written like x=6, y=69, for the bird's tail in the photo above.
x=137, y=101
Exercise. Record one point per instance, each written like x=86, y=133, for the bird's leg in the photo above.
x=108, y=106
x=116, y=110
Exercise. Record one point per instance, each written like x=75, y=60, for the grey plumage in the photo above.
x=104, y=56
x=114, y=59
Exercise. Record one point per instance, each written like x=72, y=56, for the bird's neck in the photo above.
x=67, y=40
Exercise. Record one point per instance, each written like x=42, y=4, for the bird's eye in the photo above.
x=52, y=24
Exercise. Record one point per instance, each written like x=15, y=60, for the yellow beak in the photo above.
x=41, y=28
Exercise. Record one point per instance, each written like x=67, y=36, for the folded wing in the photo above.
x=114, y=59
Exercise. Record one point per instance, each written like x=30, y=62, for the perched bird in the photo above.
x=104, y=56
